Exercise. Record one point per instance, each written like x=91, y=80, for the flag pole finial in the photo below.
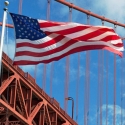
x=6, y=3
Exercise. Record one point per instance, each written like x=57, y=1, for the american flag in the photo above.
x=40, y=41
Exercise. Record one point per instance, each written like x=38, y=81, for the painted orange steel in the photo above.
x=27, y=104
x=7, y=25
x=71, y=5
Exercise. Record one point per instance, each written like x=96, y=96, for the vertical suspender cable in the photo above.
x=44, y=77
x=101, y=82
x=77, y=87
x=35, y=73
x=67, y=70
x=98, y=89
x=52, y=63
x=106, y=88
x=114, y=118
x=51, y=77
x=67, y=81
x=101, y=86
x=114, y=121
x=48, y=9
x=88, y=77
x=44, y=65
x=85, y=95
x=20, y=6
x=122, y=90
x=87, y=85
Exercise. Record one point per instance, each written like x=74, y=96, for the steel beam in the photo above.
x=28, y=103
x=35, y=111
x=6, y=83
x=15, y=113
x=21, y=99
x=7, y=25
x=13, y=88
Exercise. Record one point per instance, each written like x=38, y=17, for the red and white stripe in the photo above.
x=63, y=39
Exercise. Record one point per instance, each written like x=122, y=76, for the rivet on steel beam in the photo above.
x=103, y=20
x=115, y=25
x=71, y=5
x=89, y=12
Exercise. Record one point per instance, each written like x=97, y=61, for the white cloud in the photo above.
x=112, y=8
x=110, y=114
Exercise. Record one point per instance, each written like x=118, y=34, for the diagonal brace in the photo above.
x=6, y=83
x=35, y=111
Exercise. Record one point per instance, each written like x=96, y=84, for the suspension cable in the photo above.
x=106, y=88
x=67, y=70
x=77, y=87
x=114, y=118
x=98, y=88
x=51, y=78
x=87, y=85
x=52, y=63
x=20, y=6
x=44, y=65
x=88, y=76
x=122, y=83
x=101, y=82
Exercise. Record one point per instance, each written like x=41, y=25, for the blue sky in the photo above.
x=111, y=9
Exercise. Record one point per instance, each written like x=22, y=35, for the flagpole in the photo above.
x=2, y=33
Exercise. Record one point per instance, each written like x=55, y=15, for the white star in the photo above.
x=21, y=28
x=29, y=34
